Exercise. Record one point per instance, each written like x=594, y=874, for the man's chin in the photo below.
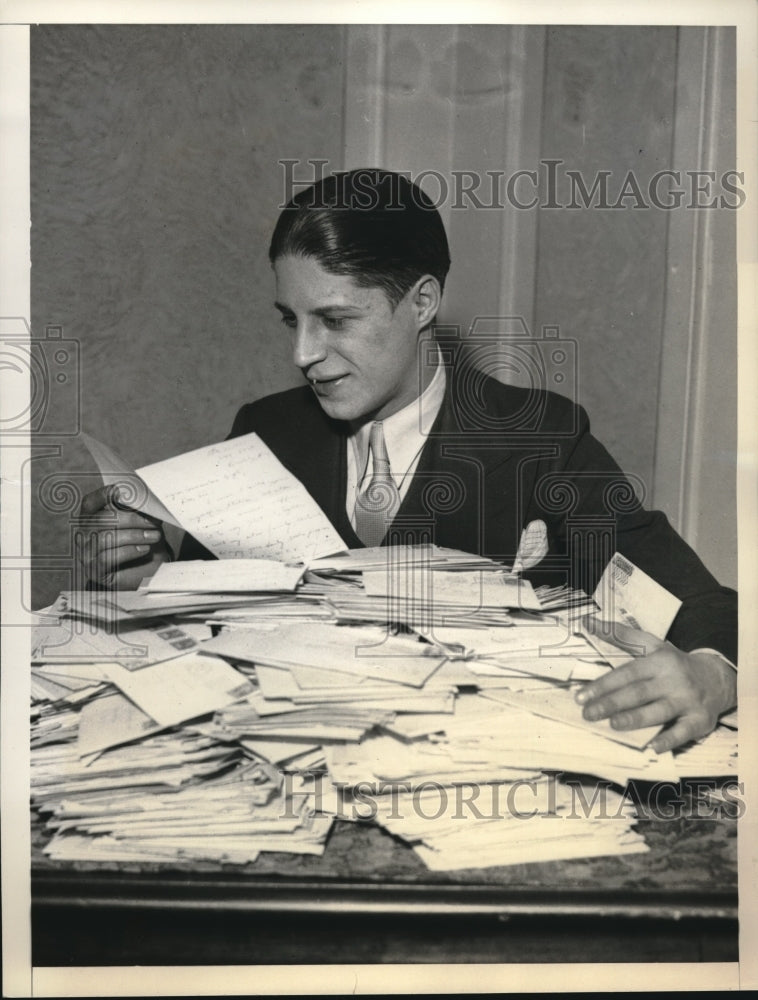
x=341, y=409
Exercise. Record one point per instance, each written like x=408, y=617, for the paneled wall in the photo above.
x=644, y=297
x=436, y=100
x=155, y=185
x=601, y=273
x=696, y=447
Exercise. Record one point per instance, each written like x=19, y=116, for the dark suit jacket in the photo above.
x=497, y=458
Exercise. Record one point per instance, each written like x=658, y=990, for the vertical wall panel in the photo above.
x=697, y=420
x=496, y=105
x=601, y=272
x=394, y=117
x=446, y=100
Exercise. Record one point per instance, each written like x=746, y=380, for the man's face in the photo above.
x=361, y=352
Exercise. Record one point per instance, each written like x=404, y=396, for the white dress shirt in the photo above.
x=405, y=434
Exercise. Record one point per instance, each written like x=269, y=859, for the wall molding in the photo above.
x=698, y=346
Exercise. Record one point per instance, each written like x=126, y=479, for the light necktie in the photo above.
x=378, y=503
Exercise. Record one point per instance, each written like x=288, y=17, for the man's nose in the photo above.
x=309, y=345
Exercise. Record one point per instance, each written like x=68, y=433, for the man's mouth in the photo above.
x=318, y=383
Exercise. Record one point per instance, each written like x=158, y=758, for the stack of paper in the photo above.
x=409, y=674
x=413, y=557
x=716, y=754
x=504, y=825
x=173, y=797
x=485, y=741
x=362, y=652
x=315, y=725
x=170, y=759
x=421, y=597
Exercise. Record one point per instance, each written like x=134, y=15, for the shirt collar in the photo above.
x=405, y=431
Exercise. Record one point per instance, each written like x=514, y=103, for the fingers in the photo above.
x=683, y=730
x=669, y=686
x=655, y=713
x=96, y=500
x=105, y=498
x=108, y=496
x=102, y=506
x=108, y=555
x=630, y=697
x=116, y=546
x=134, y=538
x=111, y=520
x=626, y=706
x=636, y=672
x=117, y=543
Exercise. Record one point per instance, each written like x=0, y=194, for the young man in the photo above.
x=399, y=436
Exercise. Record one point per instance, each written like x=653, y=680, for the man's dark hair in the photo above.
x=374, y=225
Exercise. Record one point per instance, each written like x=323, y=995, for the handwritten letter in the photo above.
x=239, y=501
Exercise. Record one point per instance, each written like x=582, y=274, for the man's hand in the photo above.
x=661, y=685
x=123, y=546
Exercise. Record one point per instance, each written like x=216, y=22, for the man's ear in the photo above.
x=426, y=296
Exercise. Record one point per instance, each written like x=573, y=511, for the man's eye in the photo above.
x=334, y=322
x=289, y=321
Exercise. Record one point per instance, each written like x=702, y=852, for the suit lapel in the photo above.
x=458, y=477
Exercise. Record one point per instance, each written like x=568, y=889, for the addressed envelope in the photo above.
x=469, y=589
x=110, y=720
x=133, y=646
x=627, y=594
x=181, y=689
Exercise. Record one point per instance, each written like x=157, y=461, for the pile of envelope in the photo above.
x=231, y=707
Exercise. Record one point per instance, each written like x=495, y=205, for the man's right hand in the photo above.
x=122, y=546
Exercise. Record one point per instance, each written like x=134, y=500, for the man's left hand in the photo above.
x=661, y=685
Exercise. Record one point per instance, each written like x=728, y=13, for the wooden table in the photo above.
x=369, y=899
